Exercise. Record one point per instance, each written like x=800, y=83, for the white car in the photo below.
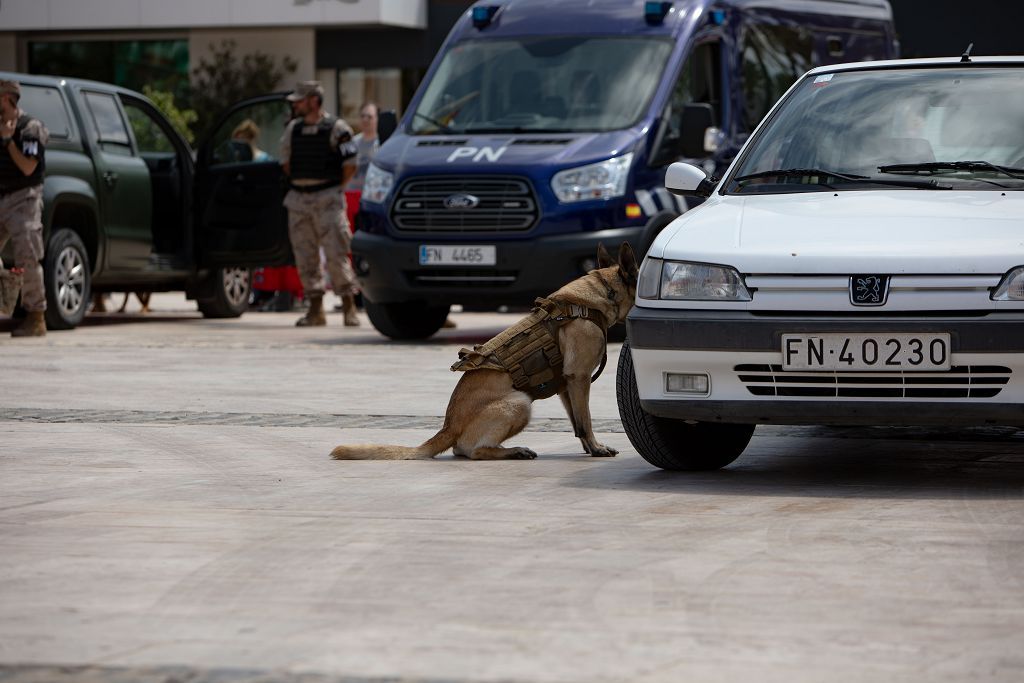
x=860, y=263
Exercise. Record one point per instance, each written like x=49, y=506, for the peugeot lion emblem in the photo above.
x=461, y=202
x=869, y=290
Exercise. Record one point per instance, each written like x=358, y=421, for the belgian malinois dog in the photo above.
x=554, y=350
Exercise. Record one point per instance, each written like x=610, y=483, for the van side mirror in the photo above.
x=696, y=120
x=686, y=179
x=387, y=124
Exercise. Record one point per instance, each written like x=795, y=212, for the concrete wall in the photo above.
x=297, y=43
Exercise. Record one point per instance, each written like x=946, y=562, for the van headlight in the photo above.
x=377, y=185
x=1012, y=286
x=684, y=281
x=603, y=180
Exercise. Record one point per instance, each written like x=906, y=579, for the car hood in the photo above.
x=904, y=231
x=521, y=153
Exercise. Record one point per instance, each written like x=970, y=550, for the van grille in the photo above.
x=962, y=381
x=505, y=204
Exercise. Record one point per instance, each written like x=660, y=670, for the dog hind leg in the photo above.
x=496, y=422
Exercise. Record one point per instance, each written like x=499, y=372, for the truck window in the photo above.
x=774, y=57
x=110, y=130
x=546, y=84
x=251, y=134
x=149, y=136
x=47, y=105
x=700, y=81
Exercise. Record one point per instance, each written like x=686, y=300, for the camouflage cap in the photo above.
x=10, y=88
x=304, y=89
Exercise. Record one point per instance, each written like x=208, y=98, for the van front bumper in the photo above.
x=389, y=269
x=741, y=353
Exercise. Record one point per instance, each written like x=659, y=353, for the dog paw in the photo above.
x=523, y=454
x=600, y=451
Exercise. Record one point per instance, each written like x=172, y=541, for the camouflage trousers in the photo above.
x=21, y=222
x=315, y=220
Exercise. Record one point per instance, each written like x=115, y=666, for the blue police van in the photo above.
x=543, y=128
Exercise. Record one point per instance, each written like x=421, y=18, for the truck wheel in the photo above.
x=406, y=320
x=67, y=277
x=230, y=298
x=674, y=444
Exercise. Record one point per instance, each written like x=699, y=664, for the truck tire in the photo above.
x=670, y=444
x=406, y=320
x=68, y=279
x=230, y=299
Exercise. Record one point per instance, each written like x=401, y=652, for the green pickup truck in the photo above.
x=129, y=206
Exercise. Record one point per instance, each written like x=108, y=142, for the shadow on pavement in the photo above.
x=904, y=464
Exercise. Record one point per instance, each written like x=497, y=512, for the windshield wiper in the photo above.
x=443, y=127
x=849, y=177
x=937, y=166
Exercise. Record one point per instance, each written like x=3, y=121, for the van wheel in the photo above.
x=67, y=277
x=674, y=444
x=231, y=287
x=406, y=320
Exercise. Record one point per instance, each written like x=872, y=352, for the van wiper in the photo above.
x=936, y=166
x=849, y=177
x=443, y=127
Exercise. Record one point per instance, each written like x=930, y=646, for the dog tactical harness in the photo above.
x=528, y=351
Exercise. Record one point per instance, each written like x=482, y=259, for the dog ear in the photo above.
x=604, y=259
x=627, y=263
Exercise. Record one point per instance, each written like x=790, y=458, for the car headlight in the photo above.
x=377, y=185
x=602, y=180
x=1012, y=286
x=680, y=280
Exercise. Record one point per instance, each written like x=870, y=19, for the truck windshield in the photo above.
x=935, y=128
x=560, y=84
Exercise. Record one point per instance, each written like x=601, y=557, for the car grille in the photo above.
x=461, y=277
x=962, y=381
x=506, y=204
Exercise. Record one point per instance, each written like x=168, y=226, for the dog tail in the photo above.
x=438, y=443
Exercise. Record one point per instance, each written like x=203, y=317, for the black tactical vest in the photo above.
x=11, y=177
x=313, y=156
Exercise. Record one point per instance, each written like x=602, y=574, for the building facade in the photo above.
x=359, y=49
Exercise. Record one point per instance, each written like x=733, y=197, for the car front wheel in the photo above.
x=230, y=298
x=670, y=444
x=67, y=277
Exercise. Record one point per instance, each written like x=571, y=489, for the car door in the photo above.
x=123, y=184
x=240, y=219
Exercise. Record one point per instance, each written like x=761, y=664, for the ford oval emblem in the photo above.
x=461, y=202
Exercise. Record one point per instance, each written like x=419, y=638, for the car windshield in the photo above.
x=551, y=84
x=935, y=128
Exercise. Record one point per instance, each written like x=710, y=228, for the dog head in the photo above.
x=627, y=272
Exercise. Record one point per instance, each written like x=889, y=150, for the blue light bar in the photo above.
x=654, y=12
x=718, y=17
x=483, y=14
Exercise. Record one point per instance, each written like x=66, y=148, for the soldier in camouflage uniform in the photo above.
x=319, y=157
x=22, y=143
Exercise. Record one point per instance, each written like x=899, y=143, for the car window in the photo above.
x=47, y=105
x=250, y=135
x=149, y=136
x=700, y=81
x=111, y=132
x=774, y=57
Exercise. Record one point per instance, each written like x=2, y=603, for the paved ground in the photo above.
x=168, y=512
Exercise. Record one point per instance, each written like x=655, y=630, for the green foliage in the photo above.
x=223, y=79
x=181, y=119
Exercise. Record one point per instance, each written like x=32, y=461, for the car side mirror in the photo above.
x=696, y=120
x=387, y=123
x=686, y=179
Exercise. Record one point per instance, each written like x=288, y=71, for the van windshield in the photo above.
x=934, y=128
x=550, y=84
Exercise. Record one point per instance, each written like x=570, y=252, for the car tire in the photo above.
x=670, y=444
x=406, y=320
x=231, y=288
x=68, y=279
